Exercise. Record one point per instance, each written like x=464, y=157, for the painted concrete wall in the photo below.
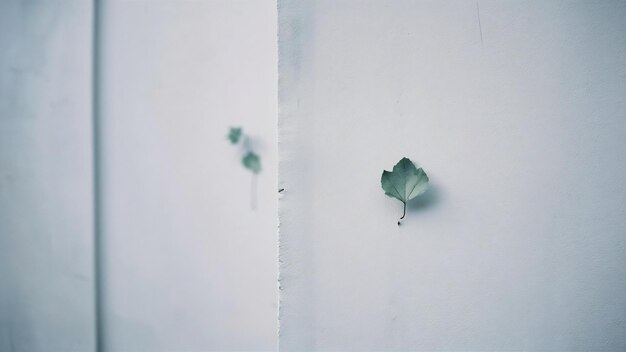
x=46, y=243
x=516, y=111
x=189, y=266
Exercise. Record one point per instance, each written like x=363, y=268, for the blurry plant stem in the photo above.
x=253, y=192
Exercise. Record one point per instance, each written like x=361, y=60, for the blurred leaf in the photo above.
x=252, y=162
x=235, y=134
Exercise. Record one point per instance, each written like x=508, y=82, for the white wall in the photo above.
x=46, y=235
x=189, y=266
x=520, y=243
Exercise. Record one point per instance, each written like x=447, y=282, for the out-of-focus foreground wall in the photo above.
x=516, y=109
x=46, y=203
x=187, y=265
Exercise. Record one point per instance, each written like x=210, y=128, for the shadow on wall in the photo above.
x=429, y=200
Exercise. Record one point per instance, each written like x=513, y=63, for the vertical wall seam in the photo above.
x=97, y=179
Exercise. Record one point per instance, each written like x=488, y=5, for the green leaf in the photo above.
x=252, y=162
x=404, y=182
x=235, y=134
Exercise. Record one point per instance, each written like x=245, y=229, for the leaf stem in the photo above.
x=403, y=213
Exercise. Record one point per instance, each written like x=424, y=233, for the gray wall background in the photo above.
x=516, y=111
x=187, y=265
